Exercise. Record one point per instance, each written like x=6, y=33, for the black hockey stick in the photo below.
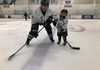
x=15, y=53
x=20, y=48
x=75, y=48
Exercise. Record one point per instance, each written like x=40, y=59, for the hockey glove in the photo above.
x=49, y=20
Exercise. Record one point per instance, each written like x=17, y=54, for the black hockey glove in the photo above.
x=49, y=20
x=55, y=22
x=34, y=30
x=63, y=30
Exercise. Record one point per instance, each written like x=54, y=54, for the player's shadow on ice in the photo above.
x=42, y=51
x=37, y=58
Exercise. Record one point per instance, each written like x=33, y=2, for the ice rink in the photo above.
x=42, y=54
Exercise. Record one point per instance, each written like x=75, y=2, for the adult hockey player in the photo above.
x=41, y=16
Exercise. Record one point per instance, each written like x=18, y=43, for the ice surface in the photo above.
x=42, y=55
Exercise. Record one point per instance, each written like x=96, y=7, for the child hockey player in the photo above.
x=62, y=26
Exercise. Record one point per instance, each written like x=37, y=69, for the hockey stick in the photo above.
x=15, y=53
x=75, y=48
x=20, y=48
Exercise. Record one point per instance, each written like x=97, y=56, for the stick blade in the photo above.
x=76, y=48
x=10, y=58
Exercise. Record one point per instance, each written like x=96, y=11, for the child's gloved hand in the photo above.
x=63, y=30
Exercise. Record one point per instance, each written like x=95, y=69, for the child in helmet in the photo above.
x=62, y=26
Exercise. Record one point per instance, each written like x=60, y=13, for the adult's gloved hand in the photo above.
x=34, y=30
x=35, y=33
x=49, y=20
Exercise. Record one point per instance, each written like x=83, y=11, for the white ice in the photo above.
x=42, y=55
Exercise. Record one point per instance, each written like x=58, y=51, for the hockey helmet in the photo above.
x=44, y=2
